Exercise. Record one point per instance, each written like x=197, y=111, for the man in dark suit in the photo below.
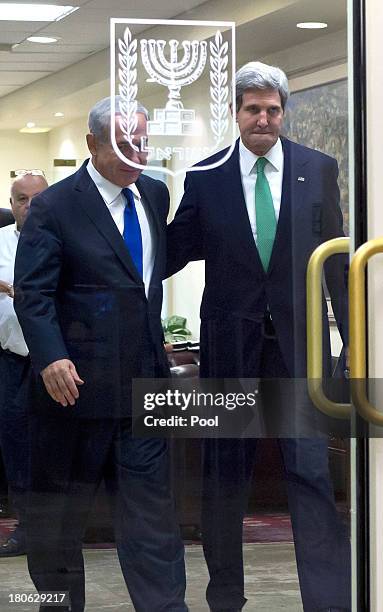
x=88, y=294
x=255, y=220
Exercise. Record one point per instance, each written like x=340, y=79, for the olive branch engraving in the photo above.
x=219, y=90
x=127, y=59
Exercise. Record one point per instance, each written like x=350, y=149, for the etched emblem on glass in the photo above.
x=191, y=83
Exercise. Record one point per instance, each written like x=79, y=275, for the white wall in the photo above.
x=20, y=151
x=67, y=142
x=38, y=151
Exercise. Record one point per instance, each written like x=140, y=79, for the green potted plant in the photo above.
x=175, y=329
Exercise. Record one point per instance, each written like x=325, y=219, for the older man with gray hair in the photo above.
x=255, y=220
x=88, y=294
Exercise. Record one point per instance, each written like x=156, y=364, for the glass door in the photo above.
x=365, y=297
x=367, y=356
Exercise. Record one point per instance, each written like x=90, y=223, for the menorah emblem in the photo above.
x=174, y=74
x=172, y=64
x=173, y=120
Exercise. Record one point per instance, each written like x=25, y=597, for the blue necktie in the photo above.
x=132, y=230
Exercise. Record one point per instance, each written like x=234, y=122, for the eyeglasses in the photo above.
x=34, y=172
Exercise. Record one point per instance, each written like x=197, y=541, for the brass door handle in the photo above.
x=358, y=358
x=315, y=328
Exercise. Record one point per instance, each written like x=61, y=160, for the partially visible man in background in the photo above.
x=14, y=360
x=6, y=218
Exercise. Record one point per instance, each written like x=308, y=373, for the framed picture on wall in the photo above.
x=318, y=118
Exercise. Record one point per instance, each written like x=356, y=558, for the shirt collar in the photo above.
x=247, y=159
x=17, y=232
x=109, y=191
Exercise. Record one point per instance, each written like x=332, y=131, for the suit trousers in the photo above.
x=69, y=457
x=322, y=546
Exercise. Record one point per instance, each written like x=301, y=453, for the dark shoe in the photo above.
x=12, y=548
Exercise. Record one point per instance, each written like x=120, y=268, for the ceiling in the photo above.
x=27, y=70
x=82, y=33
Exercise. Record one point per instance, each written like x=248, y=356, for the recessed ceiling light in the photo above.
x=44, y=40
x=30, y=124
x=312, y=25
x=34, y=12
x=59, y=114
x=34, y=130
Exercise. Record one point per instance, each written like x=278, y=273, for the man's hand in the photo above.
x=6, y=288
x=61, y=381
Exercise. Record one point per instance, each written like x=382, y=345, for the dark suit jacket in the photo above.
x=79, y=296
x=212, y=224
x=6, y=217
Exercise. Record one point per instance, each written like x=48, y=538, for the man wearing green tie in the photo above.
x=255, y=220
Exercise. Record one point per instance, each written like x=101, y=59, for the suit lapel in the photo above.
x=234, y=204
x=294, y=186
x=94, y=206
x=158, y=234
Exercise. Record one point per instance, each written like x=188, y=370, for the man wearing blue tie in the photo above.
x=255, y=220
x=88, y=294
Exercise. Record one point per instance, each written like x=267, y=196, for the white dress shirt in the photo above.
x=115, y=202
x=11, y=336
x=273, y=173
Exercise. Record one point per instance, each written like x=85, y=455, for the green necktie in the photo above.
x=265, y=214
